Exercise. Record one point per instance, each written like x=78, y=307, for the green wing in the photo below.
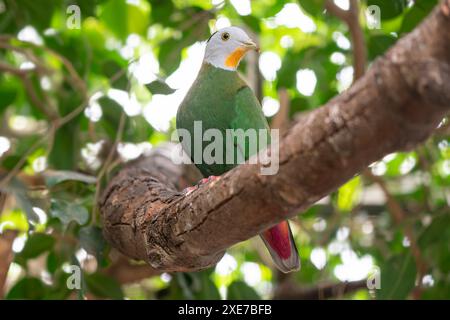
x=249, y=115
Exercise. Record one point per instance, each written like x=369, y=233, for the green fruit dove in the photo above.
x=220, y=99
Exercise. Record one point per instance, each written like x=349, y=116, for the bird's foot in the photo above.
x=189, y=190
x=210, y=178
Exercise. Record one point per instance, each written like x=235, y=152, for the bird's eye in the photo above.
x=225, y=36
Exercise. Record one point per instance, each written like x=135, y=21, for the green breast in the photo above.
x=221, y=100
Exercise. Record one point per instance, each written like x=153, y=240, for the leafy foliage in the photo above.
x=113, y=82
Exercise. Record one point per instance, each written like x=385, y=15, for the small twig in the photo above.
x=351, y=18
x=21, y=162
x=106, y=164
x=336, y=11
x=28, y=85
x=281, y=119
x=10, y=69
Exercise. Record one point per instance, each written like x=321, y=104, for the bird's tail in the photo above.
x=281, y=245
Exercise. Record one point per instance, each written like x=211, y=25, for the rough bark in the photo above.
x=396, y=105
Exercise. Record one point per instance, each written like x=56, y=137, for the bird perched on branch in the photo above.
x=220, y=99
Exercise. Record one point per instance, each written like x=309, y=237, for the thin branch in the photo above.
x=281, y=119
x=351, y=18
x=336, y=11
x=41, y=105
x=359, y=45
x=6, y=257
x=10, y=69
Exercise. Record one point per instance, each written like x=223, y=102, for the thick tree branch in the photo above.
x=394, y=106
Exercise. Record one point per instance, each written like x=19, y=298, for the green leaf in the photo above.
x=137, y=129
x=53, y=177
x=114, y=15
x=32, y=12
x=54, y=261
x=14, y=220
x=389, y=9
x=103, y=286
x=8, y=94
x=394, y=167
x=252, y=22
x=379, y=44
x=313, y=7
x=19, y=190
x=434, y=232
x=9, y=162
x=207, y=289
x=27, y=288
x=65, y=151
x=170, y=55
x=198, y=286
x=124, y=18
x=67, y=212
x=286, y=75
x=111, y=68
x=162, y=11
x=91, y=239
x=398, y=275
x=416, y=14
x=59, y=289
x=111, y=116
x=37, y=244
x=159, y=87
x=349, y=194
x=239, y=290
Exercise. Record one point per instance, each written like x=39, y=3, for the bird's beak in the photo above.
x=249, y=45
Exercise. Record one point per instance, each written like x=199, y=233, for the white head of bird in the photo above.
x=226, y=47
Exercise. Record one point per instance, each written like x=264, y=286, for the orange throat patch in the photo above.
x=233, y=59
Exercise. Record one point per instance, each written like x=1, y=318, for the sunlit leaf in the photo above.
x=349, y=194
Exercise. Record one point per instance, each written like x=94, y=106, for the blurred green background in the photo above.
x=68, y=94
